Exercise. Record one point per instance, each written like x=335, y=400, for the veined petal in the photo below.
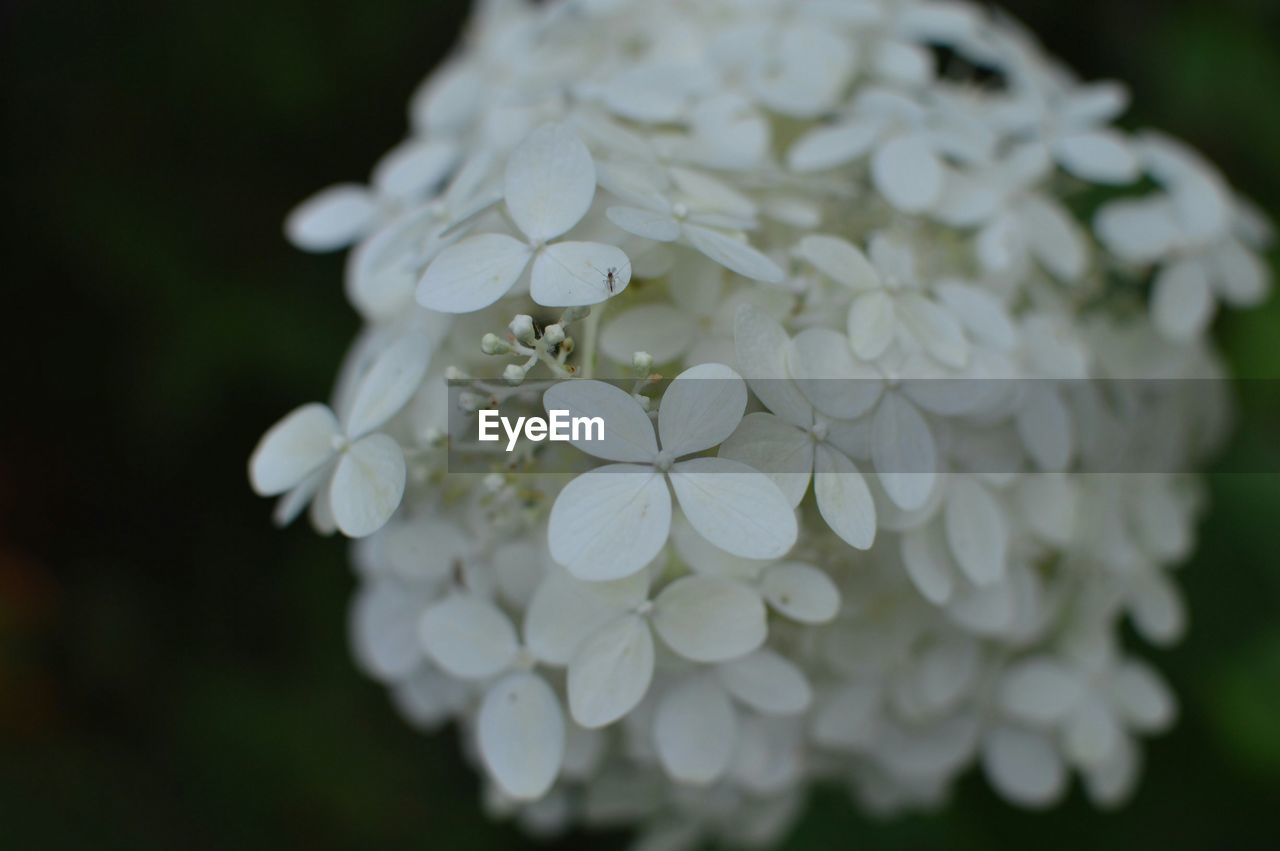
x=521, y=734
x=761, y=345
x=550, y=182
x=840, y=260
x=843, y=498
x=333, y=218
x=293, y=449
x=628, y=432
x=801, y=592
x=701, y=408
x=694, y=731
x=565, y=611
x=709, y=619
x=903, y=452
x=367, y=485
x=735, y=507
x=468, y=636
x=650, y=224
x=824, y=370
x=389, y=384
x=575, y=274
x=611, y=522
x=776, y=448
x=611, y=672
x=473, y=274
x=736, y=255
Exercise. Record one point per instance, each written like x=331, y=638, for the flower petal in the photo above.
x=781, y=451
x=824, y=370
x=709, y=619
x=468, y=636
x=611, y=672
x=903, y=452
x=550, y=182
x=293, y=449
x=473, y=274
x=333, y=218
x=801, y=592
x=760, y=346
x=1038, y=690
x=565, y=611
x=694, y=731
x=650, y=224
x=1099, y=156
x=1024, y=767
x=767, y=682
x=389, y=384
x=367, y=485
x=843, y=498
x=628, y=432
x=520, y=730
x=575, y=274
x=1182, y=302
x=828, y=147
x=735, y=507
x=976, y=530
x=611, y=522
x=659, y=329
x=840, y=260
x=736, y=255
x=701, y=408
x=908, y=173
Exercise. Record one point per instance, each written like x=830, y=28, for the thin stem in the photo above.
x=590, y=334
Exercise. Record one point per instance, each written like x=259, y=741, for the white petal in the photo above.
x=575, y=274
x=1038, y=691
x=872, y=323
x=908, y=173
x=695, y=730
x=389, y=384
x=934, y=328
x=767, y=682
x=611, y=672
x=384, y=631
x=611, y=522
x=1182, y=303
x=367, y=485
x=928, y=564
x=779, y=450
x=1055, y=239
x=333, y=218
x=701, y=408
x=520, y=730
x=550, y=182
x=903, y=452
x=735, y=507
x=843, y=498
x=825, y=372
x=736, y=255
x=802, y=592
x=468, y=636
x=473, y=274
x=1044, y=424
x=840, y=260
x=1100, y=156
x=761, y=346
x=1024, y=767
x=847, y=719
x=976, y=530
x=293, y=449
x=628, y=432
x=1142, y=698
x=709, y=619
x=1138, y=231
x=828, y=147
x=382, y=272
x=1242, y=277
x=1092, y=733
x=565, y=611
x=413, y=169
x=650, y=224
x=659, y=329
x=981, y=313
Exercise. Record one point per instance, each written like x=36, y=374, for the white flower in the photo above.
x=609, y=523
x=358, y=472
x=550, y=183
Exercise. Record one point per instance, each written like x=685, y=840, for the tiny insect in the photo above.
x=611, y=277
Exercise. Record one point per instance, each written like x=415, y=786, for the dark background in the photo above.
x=174, y=671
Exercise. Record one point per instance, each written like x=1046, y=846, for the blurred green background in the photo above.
x=174, y=671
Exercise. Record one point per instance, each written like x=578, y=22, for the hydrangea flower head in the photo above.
x=846, y=300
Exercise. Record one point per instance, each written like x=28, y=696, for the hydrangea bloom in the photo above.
x=821, y=218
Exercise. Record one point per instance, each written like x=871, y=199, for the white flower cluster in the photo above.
x=802, y=209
